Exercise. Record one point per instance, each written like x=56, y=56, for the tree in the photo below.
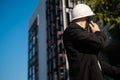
x=108, y=14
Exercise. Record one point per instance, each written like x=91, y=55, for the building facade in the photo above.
x=46, y=54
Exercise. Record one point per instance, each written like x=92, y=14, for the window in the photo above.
x=33, y=52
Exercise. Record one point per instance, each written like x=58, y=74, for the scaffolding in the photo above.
x=58, y=16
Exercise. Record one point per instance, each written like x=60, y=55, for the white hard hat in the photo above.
x=80, y=11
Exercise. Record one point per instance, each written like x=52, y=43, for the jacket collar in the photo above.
x=75, y=26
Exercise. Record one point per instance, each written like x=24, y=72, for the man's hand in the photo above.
x=94, y=27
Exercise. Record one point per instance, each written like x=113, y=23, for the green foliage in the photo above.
x=108, y=13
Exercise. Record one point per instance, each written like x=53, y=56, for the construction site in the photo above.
x=46, y=54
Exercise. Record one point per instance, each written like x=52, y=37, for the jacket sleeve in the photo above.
x=95, y=40
x=110, y=70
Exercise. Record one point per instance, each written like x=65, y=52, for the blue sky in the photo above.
x=14, y=19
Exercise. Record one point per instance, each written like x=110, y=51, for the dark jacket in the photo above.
x=82, y=49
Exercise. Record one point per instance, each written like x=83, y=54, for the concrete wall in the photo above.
x=40, y=12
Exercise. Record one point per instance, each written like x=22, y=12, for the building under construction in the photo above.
x=46, y=54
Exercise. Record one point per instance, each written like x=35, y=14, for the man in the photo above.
x=83, y=40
